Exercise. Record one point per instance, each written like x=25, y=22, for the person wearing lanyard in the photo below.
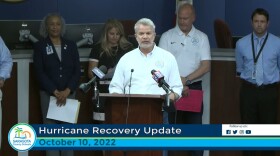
x=258, y=65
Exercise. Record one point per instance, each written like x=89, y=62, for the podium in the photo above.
x=142, y=109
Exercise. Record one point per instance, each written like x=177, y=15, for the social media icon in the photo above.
x=234, y=131
x=228, y=131
x=248, y=132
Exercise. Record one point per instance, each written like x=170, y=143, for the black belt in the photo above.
x=264, y=86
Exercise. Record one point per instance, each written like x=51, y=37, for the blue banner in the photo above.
x=127, y=130
x=24, y=137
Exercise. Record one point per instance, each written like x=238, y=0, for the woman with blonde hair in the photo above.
x=110, y=48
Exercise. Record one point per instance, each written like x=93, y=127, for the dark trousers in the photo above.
x=45, y=100
x=184, y=117
x=258, y=105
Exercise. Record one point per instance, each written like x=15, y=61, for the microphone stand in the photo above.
x=96, y=96
x=96, y=104
x=128, y=99
x=168, y=91
x=129, y=86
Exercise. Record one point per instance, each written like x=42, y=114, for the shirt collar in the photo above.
x=150, y=53
x=256, y=37
x=191, y=33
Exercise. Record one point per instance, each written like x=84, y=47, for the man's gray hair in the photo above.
x=144, y=21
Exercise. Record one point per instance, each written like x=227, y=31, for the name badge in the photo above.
x=49, y=49
x=254, y=73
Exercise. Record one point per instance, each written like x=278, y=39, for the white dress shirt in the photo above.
x=141, y=77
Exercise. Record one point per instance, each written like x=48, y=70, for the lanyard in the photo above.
x=253, y=48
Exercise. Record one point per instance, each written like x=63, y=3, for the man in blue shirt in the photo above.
x=6, y=64
x=258, y=65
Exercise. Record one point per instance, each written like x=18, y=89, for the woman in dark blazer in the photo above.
x=57, y=66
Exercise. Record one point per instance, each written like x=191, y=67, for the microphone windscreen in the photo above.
x=110, y=74
x=153, y=71
x=99, y=72
x=157, y=76
x=103, y=69
x=84, y=87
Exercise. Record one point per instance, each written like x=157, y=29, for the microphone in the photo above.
x=128, y=99
x=132, y=70
x=159, y=78
x=110, y=74
x=99, y=72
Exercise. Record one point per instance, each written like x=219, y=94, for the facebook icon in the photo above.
x=228, y=132
x=248, y=132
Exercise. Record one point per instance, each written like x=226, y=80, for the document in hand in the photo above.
x=67, y=113
x=192, y=102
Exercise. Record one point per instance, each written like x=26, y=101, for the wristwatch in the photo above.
x=188, y=82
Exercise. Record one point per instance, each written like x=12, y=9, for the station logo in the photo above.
x=22, y=137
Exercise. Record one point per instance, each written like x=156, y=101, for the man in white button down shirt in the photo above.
x=143, y=60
